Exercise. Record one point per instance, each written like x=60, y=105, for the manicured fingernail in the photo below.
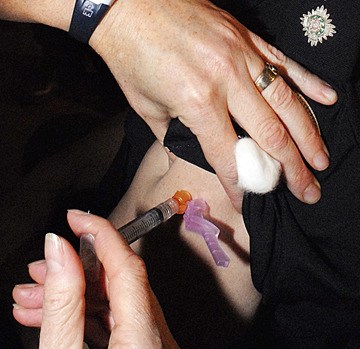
x=329, y=92
x=54, y=253
x=26, y=285
x=78, y=212
x=321, y=160
x=42, y=261
x=312, y=193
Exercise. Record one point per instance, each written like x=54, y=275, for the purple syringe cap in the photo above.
x=195, y=222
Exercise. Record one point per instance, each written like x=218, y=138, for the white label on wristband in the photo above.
x=105, y=2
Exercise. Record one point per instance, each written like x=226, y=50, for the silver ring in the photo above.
x=267, y=76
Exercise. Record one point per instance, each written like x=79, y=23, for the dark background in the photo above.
x=61, y=126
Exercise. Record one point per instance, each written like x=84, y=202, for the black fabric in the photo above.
x=137, y=140
x=180, y=140
x=183, y=143
x=305, y=258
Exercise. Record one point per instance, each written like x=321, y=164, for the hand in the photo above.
x=192, y=60
x=56, y=301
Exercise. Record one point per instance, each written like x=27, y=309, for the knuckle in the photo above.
x=310, y=136
x=274, y=136
x=59, y=300
x=198, y=96
x=282, y=98
x=297, y=176
x=138, y=263
x=228, y=170
x=276, y=56
x=133, y=268
x=304, y=76
x=218, y=54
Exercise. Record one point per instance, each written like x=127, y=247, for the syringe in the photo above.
x=155, y=216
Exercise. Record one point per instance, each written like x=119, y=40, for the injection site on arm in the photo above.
x=155, y=216
x=194, y=212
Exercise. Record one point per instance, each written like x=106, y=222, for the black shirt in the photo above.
x=305, y=259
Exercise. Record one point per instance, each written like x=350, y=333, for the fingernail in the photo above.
x=26, y=285
x=54, y=253
x=312, y=193
x=88, y=256
x=79, y=212
x=321, y=160
x=42, y=261
x=329, y=92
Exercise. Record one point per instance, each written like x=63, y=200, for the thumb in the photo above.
x=64, y=305
x=137, y=316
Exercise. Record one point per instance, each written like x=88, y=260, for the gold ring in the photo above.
x=309, y=110
x=267, y=76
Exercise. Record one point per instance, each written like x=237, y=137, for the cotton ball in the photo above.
x=258, y=172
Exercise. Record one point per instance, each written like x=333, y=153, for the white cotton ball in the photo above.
x=258, y=172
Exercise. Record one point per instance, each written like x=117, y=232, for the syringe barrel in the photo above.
x=149, y=220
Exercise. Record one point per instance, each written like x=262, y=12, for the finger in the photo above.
x=263, y=125
x=308, y=83
x=37, y=271
x=112, y=250
x=217, y=139
x=103, y=232
x=131, y=298
x=300, y=126
x=298, y=123
x=29, y=295
x=64, y=288
x=97, y=305
x=299, y=77
x=27, y=317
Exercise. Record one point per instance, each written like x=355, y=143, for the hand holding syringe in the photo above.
x=194, y=217
x=180, y=203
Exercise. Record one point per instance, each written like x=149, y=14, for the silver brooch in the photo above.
x=317, y=25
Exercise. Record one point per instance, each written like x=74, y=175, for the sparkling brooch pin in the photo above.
x=317, y=25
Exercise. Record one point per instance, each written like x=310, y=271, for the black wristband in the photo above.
x=86, y=16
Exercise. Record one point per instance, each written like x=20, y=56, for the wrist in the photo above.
x=86, y=17
x=102, y=33
x=55, y=13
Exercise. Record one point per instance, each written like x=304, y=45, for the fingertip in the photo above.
x=63, y=265
x=312, y=193
x=84, y=222
x=17, y=306
x=27, y=317
x=27, y=294
x=79, y=221
x=107, y=240
x=321, y=160
x=37, y=271
x=329, y=93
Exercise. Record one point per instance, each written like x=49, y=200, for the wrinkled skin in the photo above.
x=192, y=60
x=56, y=301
